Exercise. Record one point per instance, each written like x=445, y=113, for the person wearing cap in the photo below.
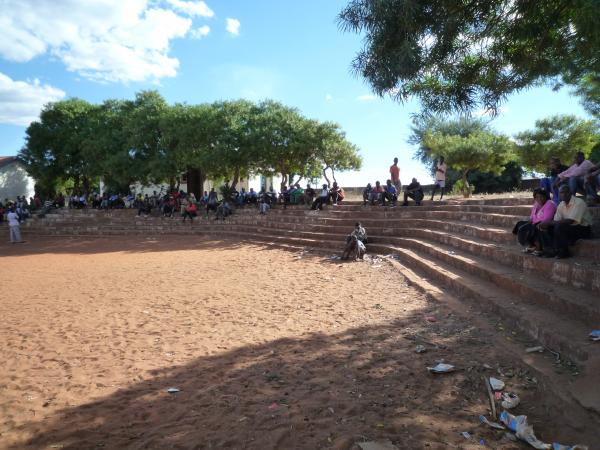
x=321, y=199
x=572, y=221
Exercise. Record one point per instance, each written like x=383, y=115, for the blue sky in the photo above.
x=196, y=52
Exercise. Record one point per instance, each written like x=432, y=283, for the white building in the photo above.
x=14, y=179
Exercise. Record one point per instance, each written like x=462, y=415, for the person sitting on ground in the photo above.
x=376, y=193
x=543, y=211
x=322, y=199
x=575, y=175
x=440, y=178
x=592, y=185
x=356, y=242
x=414, y=191
x=308, y=196
x=336, y=193
x=389, y=193
x=549, y=183
x=572, y=221
x=367, y=193
x=212, y=202
x=284, y=197
x=296, y=195
x=263, y=205
x=191, y=211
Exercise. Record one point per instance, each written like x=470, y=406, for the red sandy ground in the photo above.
x=270, y=350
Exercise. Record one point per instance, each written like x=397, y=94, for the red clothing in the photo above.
x=395, y=172
x=378, y=189
x=192, y=208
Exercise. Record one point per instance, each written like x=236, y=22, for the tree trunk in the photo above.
x=236, y=178
x=467, y=187
x=333, y=175
x=284, y=179
x=325, y=176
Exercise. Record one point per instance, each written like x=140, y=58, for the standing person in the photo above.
x=440, y=178
x=13, y=225
x=395, y=175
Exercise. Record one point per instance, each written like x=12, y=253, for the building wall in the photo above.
x=14, y=181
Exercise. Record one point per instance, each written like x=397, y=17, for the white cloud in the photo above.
x=366, y=98
x=21, y=101
x=192, y=8
x=328, y=97
x=201, y=32
x=233, y=26
x=105, y=40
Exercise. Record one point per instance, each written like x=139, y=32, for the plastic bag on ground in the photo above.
x=523, y=430
x=441, y=368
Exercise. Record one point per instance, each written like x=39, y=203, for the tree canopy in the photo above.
x=471, y=148
x=147, y=140
x=557, y=136
x=456, y=55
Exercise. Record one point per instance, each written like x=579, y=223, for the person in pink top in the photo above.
x=542, y=212
x=576, y=174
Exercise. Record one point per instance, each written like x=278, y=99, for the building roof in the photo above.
x=6, y=160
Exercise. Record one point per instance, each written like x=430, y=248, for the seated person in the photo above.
x=548, y=183
x=252, y=196
x=285, y=195
x=336, y=193
x=263, y=206
x=272, y=195
x=543, y=211
x=572, y=221
x=592, y=184
x=376, y=193
x=322, y=199
x=390, y=193
x=223, y=210
x=144, y=207
x=308, y=196
x=359, y=232
x=414, y=191
x=355, y=248
x=241, y=197
x=213, y=201
x=367, y=193
x=169, y=207
x=296, y=195
x=191, y=211
x=575, y=175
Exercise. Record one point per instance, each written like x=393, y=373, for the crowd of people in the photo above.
x=558, y=217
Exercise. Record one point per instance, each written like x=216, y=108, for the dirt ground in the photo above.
x=270, y=349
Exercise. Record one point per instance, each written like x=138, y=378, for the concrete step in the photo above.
x=555, y=330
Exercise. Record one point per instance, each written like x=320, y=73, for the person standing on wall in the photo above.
x=440, y=178
x=395, y=175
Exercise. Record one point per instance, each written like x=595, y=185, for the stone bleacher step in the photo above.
x=581, y=273
x=556, y=331
x=580, y=304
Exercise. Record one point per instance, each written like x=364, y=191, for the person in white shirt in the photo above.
x=440, y=178
x=576, y=174
x=13, y=226
x=572, y=221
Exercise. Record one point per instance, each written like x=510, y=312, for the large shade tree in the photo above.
x=456, y=55
x=146, y=140
x=557, y=136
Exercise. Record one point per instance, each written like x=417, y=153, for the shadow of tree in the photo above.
x=318, y=391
